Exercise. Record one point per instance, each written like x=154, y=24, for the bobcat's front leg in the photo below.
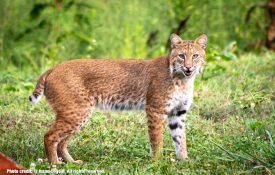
x=178, y=132
x=155, y=129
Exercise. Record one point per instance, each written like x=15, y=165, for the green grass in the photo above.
x=230, y=127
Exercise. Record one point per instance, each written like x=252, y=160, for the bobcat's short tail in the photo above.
x=39, y=89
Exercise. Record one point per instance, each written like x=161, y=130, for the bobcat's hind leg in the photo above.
x=51, y=140
x=62, y=149
x=57, y=138
x=63, y=145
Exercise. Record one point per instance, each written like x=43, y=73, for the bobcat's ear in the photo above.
x=202, y=40
x=175, y=40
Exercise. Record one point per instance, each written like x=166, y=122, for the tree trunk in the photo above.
x=270, y=41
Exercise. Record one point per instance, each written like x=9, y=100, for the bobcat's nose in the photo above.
x=188, y=68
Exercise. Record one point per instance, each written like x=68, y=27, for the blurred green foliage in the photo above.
x=38, y=35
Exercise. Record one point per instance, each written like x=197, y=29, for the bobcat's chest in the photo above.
x=180, y=100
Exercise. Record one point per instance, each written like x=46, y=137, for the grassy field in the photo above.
x=230, y=127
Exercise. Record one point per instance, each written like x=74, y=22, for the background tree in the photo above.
x=269, y=7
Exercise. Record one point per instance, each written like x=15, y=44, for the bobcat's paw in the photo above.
x=182, y=156
x=54, y=164
x=78, y=162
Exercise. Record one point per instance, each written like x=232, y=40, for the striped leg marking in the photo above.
x=178, y=133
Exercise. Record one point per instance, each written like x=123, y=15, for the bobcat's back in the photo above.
x=108, y=84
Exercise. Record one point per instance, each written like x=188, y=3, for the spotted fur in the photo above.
x=163, y=87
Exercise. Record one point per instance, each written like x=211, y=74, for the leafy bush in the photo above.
x=39, y=34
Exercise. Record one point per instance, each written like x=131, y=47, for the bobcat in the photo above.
x=162, y=86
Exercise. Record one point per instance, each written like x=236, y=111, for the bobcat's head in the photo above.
x=187, y=57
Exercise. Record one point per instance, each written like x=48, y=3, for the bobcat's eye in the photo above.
x=181, y=56
x=195, y=56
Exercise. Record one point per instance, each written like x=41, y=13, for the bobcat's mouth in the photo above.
x=188, y=73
